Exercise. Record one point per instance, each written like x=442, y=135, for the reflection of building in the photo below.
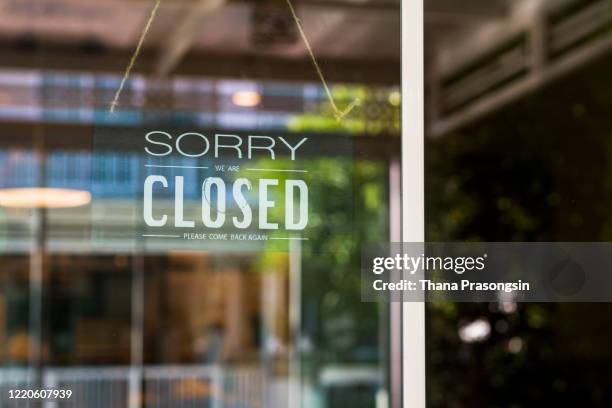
x=67, y=97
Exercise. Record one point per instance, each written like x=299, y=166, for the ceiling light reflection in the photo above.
x=246, y=99
x=40, y=197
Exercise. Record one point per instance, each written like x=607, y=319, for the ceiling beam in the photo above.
x=456, y=18
x=181, y=39
x=202, y=64
x=465, y=11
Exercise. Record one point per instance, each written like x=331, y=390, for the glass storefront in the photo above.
x=123, y=314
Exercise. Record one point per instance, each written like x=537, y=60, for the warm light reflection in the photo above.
x=43, y=197
x=4, y=99
x=246, y=99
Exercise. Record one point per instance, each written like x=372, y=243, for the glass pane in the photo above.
x=519, y=151
x=104, y=304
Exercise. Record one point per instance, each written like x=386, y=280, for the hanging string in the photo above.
x=130, y=66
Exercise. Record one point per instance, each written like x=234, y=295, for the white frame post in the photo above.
x=413, y=195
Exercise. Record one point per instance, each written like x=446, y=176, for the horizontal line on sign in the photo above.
x=161, y=236
x=176, y=167
x=288, y=170
x=291, y=238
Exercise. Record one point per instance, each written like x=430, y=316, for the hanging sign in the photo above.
x=164, y=187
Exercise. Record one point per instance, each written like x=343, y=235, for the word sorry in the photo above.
x=192, y=144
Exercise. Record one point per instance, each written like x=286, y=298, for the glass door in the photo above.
x=185, y=188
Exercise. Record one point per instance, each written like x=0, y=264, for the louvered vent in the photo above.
x=578, y=24
x=485, y=75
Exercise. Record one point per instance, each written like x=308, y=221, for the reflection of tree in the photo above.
x=352, y=212
x=348, y=206
x=480, y=196
x=378, y=112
